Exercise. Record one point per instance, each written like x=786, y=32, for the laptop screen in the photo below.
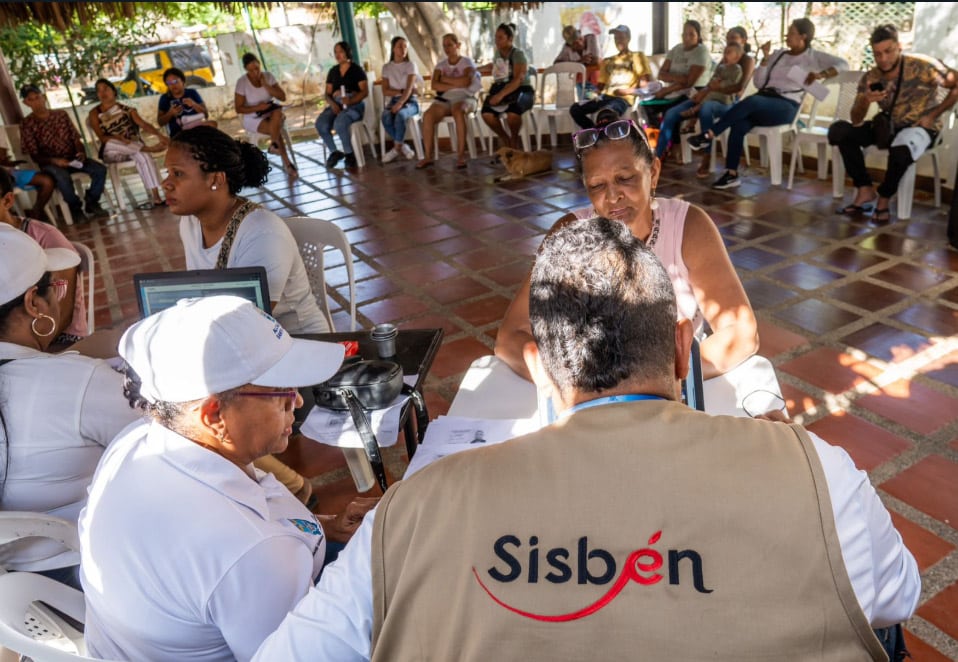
x=159, y=291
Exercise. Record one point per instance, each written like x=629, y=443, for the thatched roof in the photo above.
x=62, y=14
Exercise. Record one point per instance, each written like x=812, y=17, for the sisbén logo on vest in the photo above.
x=640, y=566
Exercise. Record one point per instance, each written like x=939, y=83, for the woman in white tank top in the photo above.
x=620, y=172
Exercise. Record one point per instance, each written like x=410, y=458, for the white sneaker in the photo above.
x=391, y=156
x=407, y=152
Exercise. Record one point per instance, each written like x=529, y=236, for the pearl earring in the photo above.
x=213, y=187
x=653, y=203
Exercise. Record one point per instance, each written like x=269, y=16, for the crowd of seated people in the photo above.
x=227, y=566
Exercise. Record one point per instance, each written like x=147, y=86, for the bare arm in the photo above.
x=932, y=114
x=515, y=331
x=276, y=90
x=362, y=94
x=164, y=118
x=149, y=128
x=720, y=296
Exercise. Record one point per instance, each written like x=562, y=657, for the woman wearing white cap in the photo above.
x=57, y=411
x=189, y=553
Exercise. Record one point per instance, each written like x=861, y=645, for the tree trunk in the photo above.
x=424, y=24
x=9, y=104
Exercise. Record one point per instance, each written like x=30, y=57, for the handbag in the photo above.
x=883, y=126
x=362, y=386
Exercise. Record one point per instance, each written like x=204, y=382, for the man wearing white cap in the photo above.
x=188, y=552
x=57, y=411
x=620, y=78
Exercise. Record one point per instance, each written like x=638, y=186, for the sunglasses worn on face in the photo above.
x=172, y=81
x=618, y=130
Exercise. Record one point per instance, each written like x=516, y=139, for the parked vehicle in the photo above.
x=145, y=71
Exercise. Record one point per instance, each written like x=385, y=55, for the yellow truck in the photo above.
x=145, y=71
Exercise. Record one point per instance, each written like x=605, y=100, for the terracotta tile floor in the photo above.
x=858, y=319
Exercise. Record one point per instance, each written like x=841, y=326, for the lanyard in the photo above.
x=609, y=399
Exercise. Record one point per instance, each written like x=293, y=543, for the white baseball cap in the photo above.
x=213, y=344
x=23, y=262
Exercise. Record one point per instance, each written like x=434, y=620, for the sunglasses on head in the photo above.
x=618, y=130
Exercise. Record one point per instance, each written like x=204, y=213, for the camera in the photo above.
x=877, y=87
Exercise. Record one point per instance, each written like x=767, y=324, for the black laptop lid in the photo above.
x=159, y=291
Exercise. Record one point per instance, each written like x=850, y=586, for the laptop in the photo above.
x=159, y=291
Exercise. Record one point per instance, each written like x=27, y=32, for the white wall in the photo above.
x=936, y=34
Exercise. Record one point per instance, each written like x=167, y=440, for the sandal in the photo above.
x=881, y=215
x=852, y=210
x=425, y=163
x=703, y=172
x=461, y=164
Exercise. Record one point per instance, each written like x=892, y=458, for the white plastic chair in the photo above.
x=906, y=187
x=33, y=629
x=114, y=168
x=567, y=94
x=771, y=141
x=258, y=139
x=88, y=267
x=312, y=236
x=412, y=125
x=367, y=127
x=843, y=89
x=10, y=138
x=529, y=125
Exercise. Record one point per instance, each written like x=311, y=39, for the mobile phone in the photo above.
x=877, y=87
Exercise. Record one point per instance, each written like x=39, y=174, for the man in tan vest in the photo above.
x=632, y=528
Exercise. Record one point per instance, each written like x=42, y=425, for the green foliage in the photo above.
x=40, y=54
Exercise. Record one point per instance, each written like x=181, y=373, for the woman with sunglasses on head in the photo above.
x=57, y=411
x=180, y=107
x=188, y=551
x=620, y=174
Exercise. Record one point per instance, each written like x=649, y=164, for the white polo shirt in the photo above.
x=60, y=411
x=184, y=556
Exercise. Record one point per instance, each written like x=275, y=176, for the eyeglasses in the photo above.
x=761, y=402
x=289, y=395
x=60, y=288
x=618, y=130
x=172, y=81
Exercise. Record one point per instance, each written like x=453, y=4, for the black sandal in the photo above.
x=881, y=215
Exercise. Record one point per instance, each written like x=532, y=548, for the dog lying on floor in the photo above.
x=521, y=164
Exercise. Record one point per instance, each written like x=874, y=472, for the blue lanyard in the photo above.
x=609, y=399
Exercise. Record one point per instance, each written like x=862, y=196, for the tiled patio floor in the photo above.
x=859, y=319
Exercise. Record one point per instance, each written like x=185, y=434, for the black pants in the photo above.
x=851, y=140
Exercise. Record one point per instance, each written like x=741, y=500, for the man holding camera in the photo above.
x=906, y=89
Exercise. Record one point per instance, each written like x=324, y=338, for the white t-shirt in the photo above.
x=263, y=240
x=779, y=63
x=184, y=556
x=458, y=70
x=397, y=75
x=252, y=94
x=60, y=411
x=334, y=620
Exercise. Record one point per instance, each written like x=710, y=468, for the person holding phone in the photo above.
x=347, y=87
x=254, y=100
x=906, y=89
x=180, y=107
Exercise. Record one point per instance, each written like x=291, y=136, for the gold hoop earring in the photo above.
x=53, y=326
x=653, y=203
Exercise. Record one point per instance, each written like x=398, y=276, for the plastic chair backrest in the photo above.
x=566, y=74
x=88, y=267
x=312, y=236
x=32, y=630
x=11, y=134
